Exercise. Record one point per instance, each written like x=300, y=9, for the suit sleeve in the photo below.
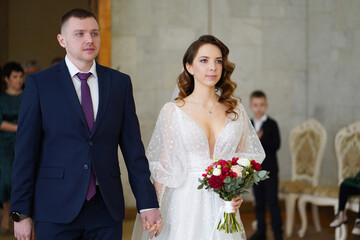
x=26, y=150
x=134, y=155
x=271, y=140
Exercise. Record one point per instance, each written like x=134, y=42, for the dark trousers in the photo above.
x=94, y=222
x=345, y=192
x=266, y=193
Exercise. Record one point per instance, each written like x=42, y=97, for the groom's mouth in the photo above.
x=89, y=50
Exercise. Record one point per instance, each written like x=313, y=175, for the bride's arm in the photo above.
x=249, y=145
x=160, y=191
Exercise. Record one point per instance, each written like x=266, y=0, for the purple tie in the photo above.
x=87, y=107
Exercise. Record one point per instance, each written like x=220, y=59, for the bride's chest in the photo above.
x=196, y=140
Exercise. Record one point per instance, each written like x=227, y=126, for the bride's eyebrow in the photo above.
x=209, y=57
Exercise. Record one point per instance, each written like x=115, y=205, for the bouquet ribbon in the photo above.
x=227, y=208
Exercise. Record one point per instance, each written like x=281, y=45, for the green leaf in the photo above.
x=261, y=174
x=256, y=178
x=245, y=192
x=227, y=179
x=201, y=186
x=250, y=185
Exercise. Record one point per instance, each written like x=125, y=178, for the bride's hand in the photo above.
x=236, y=202
x=156, y=228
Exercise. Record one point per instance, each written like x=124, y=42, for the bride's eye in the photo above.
x=203, y=60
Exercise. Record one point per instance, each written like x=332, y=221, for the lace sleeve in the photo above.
x=166, y=152
x=249, y=145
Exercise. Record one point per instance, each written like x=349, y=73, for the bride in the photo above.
x=205, y=122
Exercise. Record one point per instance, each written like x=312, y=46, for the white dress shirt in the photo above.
x=92, y=82
x=259, y=122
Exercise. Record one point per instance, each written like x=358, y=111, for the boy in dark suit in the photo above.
x=267, y=191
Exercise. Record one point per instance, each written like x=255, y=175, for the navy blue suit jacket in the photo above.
x=54, y=148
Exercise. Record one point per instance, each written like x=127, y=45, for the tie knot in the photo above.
x=83, y=76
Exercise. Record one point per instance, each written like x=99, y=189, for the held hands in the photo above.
x=151, y=221
x=24, y=230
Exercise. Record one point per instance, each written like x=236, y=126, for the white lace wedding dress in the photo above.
x=178, y=154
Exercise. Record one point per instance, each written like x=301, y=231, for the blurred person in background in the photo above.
x=12, y=84
x=56, y=60
x=32, y=66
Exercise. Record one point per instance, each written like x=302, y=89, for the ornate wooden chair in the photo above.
x=307, y=144
x=347, y=147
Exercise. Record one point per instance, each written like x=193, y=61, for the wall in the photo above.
x=33, y=26
x=303, y=54
x=334, y=70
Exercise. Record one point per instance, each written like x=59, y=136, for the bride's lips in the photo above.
x=211, y=76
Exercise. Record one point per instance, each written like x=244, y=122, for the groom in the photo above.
x=73, y=117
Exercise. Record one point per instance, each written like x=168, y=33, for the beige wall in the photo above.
x=149, y=39
x=305, y=54
x=33, y=26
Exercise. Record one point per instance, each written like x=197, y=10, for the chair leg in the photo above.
x=315, y=215
x=343, y=232
x=303, y=217
x=290, y=201
x=254, y=225
x=340, y=232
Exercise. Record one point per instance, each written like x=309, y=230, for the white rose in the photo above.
x=238, y=170
x=217, y=172
x=243, y=162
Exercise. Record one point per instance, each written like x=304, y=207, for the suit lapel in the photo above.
x=66, y=82
x=264, y=124
x=104, y=93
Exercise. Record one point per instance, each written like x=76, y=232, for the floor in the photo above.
x=326, y=215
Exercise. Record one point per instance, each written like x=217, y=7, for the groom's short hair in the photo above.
x=77, y=13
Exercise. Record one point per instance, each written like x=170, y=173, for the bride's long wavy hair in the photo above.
x=225, y=86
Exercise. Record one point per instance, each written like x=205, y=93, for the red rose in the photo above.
x=256, y=166
x=216, y=182
x=225, y=172
x=223, y=163
x=233, y=175
x=234, y=161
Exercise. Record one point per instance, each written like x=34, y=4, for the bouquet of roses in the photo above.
x=230, y=178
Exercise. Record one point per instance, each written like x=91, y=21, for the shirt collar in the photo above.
x=262, y=119
x=74, y=70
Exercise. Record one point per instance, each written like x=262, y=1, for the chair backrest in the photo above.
x=307, y=145
x=347, y=148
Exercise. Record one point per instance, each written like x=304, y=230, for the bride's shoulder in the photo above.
x=168, y=107
x=239, y=106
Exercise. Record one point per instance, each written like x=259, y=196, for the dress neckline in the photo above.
x=202, y=130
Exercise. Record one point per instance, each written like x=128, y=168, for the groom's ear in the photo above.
x=61, y=40
x=189, y=69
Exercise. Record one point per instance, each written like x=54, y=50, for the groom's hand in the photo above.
x=151, y=217
x=24, y=230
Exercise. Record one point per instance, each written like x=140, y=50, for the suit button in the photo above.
x=86, y=166
x=90, y=143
